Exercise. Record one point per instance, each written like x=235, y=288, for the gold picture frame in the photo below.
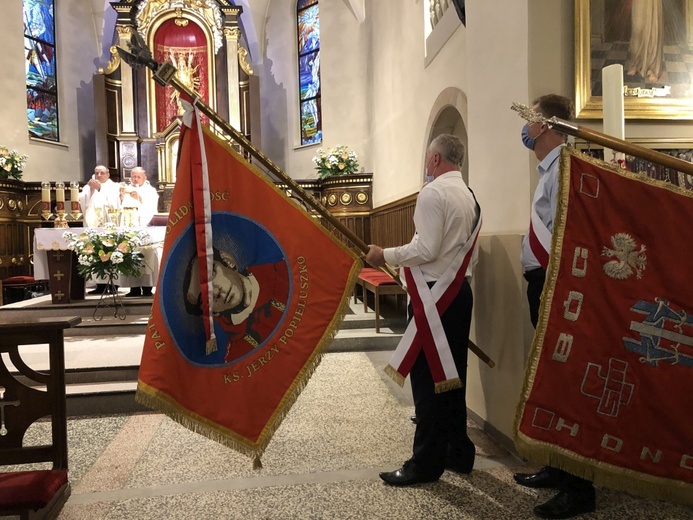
x=646, y=98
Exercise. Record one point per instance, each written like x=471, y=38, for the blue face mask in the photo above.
x=428, y=178
x=526, y=139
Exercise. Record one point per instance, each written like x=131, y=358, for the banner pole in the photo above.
x=165, y=74
x=605, y=140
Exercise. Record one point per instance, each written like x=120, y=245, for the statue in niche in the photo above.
x=186, y=73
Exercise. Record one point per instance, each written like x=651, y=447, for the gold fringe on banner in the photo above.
x=603, y=474
x=157, y=400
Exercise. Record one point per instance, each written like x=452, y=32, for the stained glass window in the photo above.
x=309, y=70
x=39, y=63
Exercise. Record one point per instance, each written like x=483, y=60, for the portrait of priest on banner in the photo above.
x=250, y=288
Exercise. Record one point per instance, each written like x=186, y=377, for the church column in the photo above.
x=231, y=35
x=127, y=83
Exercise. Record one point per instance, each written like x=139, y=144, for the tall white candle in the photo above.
x=612, y=100
x=45, y=196
x=74, y=196
x=60, y=196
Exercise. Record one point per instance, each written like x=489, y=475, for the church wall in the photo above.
x=498, y=55
x=342, y=66
x=77, y=48
x=403, y=92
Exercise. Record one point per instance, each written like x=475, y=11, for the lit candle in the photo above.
x=74, y=196
x=612, y=101
x=60, y=196
x=45, y=196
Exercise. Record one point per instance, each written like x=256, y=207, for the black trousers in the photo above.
x=571, y=484
x=441, y=432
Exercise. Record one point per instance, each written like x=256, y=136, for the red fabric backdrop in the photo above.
x=189, y=44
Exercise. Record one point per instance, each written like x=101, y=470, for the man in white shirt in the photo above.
x=139, y=202
x=445, y=217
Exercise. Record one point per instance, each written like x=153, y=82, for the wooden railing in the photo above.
x=20, y=203
x=393, y=224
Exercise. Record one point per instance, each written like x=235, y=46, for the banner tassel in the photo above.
x=211, y=345
x=257, y=463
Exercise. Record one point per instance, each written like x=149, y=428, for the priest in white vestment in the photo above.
x=139, y=202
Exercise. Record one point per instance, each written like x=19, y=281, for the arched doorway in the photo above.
x=448, y=117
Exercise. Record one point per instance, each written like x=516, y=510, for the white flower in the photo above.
x=117, y=257
x=84, y=260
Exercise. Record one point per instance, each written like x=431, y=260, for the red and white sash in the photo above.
x=425, y=330
x=539, y=239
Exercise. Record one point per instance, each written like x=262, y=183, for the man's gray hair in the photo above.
x=450, y=148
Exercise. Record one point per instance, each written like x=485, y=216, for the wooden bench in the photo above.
x=33, y=493
x=379, y=284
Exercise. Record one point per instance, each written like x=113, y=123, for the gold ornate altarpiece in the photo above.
x=218, y=70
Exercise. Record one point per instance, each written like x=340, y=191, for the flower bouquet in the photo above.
x=107, y=252
x=335, y=161
x=12, y=163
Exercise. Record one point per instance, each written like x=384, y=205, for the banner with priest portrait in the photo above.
x=251, y=291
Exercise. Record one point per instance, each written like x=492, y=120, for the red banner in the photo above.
x=280, y=283
x=609, y=388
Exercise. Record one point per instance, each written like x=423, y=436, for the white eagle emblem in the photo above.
x=628, y=258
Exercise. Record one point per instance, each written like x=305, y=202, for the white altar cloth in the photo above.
x=51, y=239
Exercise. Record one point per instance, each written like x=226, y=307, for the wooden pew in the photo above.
x=33, y=493
x=379, y=284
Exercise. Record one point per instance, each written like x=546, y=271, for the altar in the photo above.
x=55, y=262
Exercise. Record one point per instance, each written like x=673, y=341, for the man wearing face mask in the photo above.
x=576, y=495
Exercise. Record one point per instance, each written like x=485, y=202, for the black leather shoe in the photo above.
x=135, y=291
x=100, y=288
x=541, y=479
x=146, y=291
x=564, y=505
x=406, y=476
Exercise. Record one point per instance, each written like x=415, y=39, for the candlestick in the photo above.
x=60, y=195
x=612, y=98
x=60, y=221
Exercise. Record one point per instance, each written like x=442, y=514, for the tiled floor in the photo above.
x=349, y=424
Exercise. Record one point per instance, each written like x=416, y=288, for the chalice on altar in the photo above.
x=113, y=215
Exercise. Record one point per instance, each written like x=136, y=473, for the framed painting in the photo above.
x=652, y=39
x=679, y=148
